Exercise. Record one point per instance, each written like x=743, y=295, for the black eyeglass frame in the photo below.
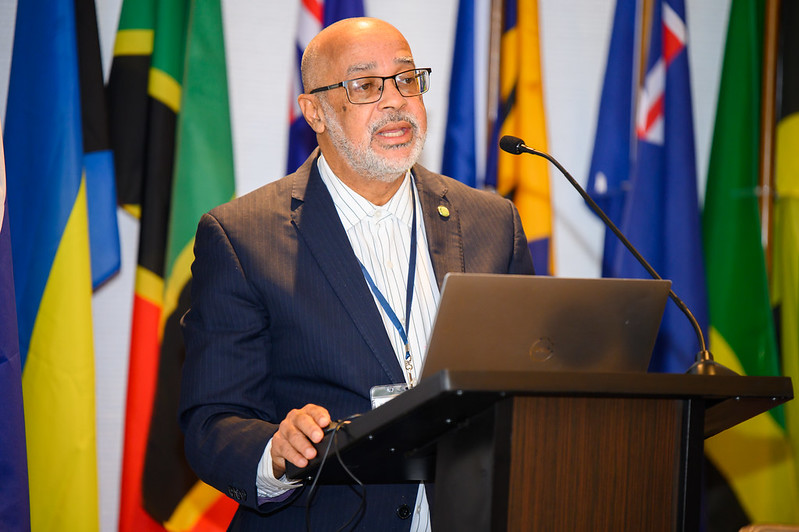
x=382, y=85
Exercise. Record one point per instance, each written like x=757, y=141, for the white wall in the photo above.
x=260, y=36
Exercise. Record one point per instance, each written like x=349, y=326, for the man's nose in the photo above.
x=392, y=97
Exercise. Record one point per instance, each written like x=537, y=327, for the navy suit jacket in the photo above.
x=281, y=316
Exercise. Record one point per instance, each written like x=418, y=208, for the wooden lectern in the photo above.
x=550, y=451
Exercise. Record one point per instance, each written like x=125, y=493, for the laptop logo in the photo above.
x=542, y=349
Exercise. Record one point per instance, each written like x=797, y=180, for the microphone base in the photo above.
x=705, y=365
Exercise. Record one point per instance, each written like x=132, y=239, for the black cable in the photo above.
x=312, y=490
x=361, y=507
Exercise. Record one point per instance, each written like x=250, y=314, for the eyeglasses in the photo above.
x=369, y=89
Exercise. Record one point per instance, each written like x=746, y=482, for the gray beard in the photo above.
x=363, y=159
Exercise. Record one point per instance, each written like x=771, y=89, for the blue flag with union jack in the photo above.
x=660, y=208
x=314, y=16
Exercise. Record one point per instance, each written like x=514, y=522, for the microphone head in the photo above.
x=511, y=144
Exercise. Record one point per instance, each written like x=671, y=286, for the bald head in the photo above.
x=368, y=145
x=323, y=54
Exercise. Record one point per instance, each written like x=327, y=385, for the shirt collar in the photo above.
x=353, y=208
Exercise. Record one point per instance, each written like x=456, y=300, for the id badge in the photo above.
x=385, y=393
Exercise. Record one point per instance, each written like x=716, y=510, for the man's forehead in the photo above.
x=372, y=66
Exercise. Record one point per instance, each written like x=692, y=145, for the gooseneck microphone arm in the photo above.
x=704, y=359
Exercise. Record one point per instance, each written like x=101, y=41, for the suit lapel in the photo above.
x=442, y=224
x=317, y=221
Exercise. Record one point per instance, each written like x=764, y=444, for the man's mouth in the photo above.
x=393, y=132
x=397, y=132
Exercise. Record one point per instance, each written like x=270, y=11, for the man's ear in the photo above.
x=312, y=111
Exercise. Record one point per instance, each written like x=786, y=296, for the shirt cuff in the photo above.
x=267, y=486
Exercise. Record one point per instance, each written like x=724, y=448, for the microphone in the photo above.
x=704, y=365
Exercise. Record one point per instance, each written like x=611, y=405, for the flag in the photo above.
x=614, y=153
x=14, y=501
x=203, y=178
x=465, y=141
x=187, y=169
x=521, y=113
x=128, y=102
x=660, y=214
x=517, y=110
x=143, y=116
x=754, y=457
x=785, y=266
x=314, y=15
x=47, y=201
x=98, y=161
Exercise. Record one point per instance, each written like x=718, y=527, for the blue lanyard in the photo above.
x=408, y=295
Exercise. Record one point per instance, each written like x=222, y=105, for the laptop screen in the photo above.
x=489, y=322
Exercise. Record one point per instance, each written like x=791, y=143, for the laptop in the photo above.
x=489, y=322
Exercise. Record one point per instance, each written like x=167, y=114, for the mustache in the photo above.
x=395, y=116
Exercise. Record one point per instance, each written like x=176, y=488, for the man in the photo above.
x=303, y=289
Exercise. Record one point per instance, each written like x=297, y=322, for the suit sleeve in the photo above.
x=225, y=412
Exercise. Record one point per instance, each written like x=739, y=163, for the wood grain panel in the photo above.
x=615, y=460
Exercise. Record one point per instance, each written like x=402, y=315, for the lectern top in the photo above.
x=400, y=435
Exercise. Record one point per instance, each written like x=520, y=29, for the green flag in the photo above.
x=169, y=83
x=754, y=457
x=203, y=178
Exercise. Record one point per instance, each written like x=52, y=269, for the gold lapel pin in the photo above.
x=443, y=211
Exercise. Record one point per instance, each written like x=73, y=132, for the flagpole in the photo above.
x=644, y=21
x=767, y=125
x=493, y=91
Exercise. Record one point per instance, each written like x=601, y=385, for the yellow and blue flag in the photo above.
x=47, y=201
x=518, y=110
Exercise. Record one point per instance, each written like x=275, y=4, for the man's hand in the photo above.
x=293, y=440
